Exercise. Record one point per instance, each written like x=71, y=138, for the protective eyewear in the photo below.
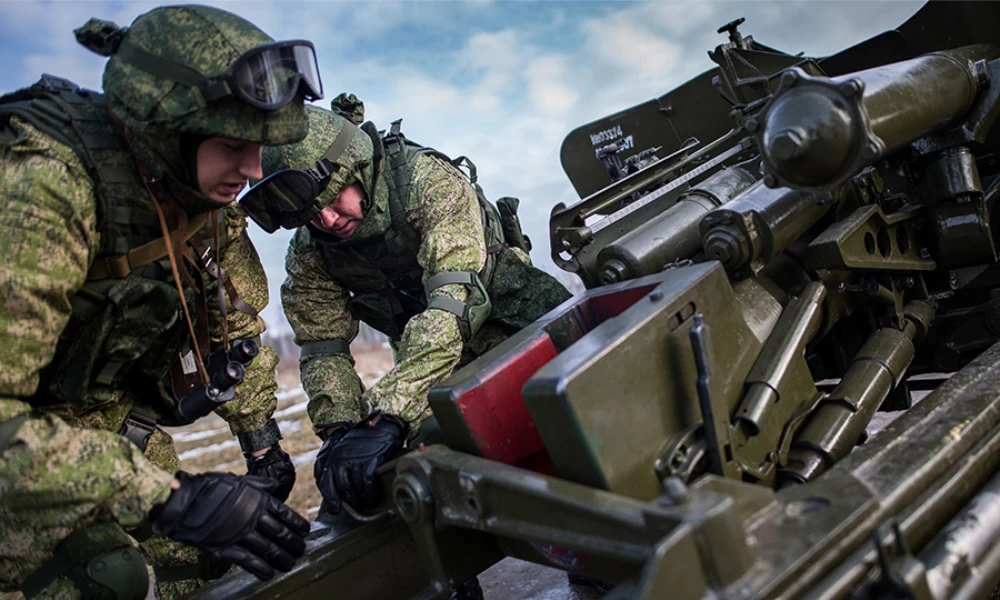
x=285, y=199
x=288, y=198
x=266, y=77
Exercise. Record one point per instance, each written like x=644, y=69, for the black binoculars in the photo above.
x=226, y=370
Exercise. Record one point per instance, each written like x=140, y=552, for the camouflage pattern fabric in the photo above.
x=55, y=479
x=159, y=112
x=65, y=472
x=325, y=126
x=349, y=107
x=444, y=208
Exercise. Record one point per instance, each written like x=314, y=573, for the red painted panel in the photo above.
x=494, y=409
x=615, y=303
x=538, y=462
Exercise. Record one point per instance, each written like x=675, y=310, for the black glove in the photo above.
x=235, y=519
x=345, y=466
x=277, y=465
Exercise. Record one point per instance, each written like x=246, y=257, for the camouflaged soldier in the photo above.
x=395, y=235
x=124, y=282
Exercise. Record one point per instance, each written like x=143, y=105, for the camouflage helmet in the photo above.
x=158, y=111
x=353, y=163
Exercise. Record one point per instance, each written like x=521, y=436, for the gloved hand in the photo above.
x=277, y=465
x=235, y=519
x=345, y=466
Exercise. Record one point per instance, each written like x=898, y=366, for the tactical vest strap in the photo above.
x=221, y=275
x=124, y=216
x=473, y=176
x=120, y=265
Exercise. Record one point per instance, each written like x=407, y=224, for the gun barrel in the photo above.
x=758, y=225
x=840, y=419
x=673, y=234
x=819, y=131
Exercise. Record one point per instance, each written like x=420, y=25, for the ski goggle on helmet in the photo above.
x=287, y=198
x=266, y=77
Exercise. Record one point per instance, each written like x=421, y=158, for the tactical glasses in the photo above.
x=287, y=198
x=266, y=77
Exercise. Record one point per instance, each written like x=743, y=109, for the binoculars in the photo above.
x=226, y=370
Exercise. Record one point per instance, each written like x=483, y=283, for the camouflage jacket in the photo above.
x=444, y=209
x=49, y=237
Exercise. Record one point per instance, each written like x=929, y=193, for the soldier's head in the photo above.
x=326, y=179
x=200, y=91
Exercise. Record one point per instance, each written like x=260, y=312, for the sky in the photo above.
x=502, y=82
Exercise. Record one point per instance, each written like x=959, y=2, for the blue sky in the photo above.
x=502, y=82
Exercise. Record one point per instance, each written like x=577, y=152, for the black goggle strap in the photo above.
x=204, y=89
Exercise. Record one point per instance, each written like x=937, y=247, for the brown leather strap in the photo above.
x=120, y=265
x=495, y=248
x=200, y=362
x=220, y=273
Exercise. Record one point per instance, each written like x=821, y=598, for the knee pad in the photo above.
x=100, y=561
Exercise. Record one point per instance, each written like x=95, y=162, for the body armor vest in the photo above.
x=381, y=270
x=126, y=329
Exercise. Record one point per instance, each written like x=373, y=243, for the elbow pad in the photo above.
x=473, y=312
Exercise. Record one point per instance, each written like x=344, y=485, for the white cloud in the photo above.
x=501, y=82
x=548, y=84
x=626, y=43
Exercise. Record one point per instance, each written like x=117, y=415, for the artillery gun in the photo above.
x=695, y=424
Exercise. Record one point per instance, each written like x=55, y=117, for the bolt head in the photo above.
x=787, y=145
x=752, y=125
x=770, y=180
x=789, y=78
x=851, y=87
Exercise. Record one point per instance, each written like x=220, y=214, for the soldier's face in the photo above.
x=225, y=165
x=342, y=216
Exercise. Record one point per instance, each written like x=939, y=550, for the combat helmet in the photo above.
x=185, y=73
x=303, y=178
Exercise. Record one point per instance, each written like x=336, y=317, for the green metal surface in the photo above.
x=576, y=399
x=868, y=239
x=696, y=425
x=749, y=231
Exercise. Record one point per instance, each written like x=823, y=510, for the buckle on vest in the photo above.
x=137, y=429
x=319, y=171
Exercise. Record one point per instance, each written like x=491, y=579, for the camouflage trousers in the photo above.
x=29, y=540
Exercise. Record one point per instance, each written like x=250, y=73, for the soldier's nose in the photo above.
x=329, y=218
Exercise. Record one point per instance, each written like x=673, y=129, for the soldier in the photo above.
x=124, y=282
x=394, y=235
